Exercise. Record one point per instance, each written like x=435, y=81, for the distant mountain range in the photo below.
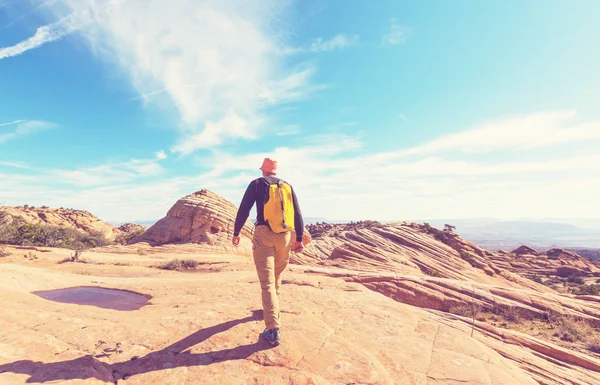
x=495, y=234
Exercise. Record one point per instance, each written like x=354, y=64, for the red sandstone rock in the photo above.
x=201, y=217
x=66, y=218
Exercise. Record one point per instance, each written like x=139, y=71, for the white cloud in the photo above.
x=338, y=176
x=24, y=127
x=339, y=41
x=160, y=155
x=46, y=34
x=108, y=174
x=517, y=133
x=397, y=34
x=20, y=165
x=403, y=117
x=231, y=126
x=11, y=123
x=212, y=61
x=292, y=129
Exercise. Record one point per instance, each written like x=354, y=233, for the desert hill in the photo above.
x=81, y=221
x=201, y=217
x=367, y=303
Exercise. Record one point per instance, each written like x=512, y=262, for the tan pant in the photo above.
x=271, y=253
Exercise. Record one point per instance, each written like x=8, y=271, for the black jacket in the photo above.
x=259, y=189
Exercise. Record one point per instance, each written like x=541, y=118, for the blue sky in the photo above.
x=400, y=110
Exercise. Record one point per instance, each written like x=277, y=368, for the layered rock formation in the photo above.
x=79, y=220
x=528, y=262
x=433, y=269
x=201, y=217
x=404, y=248
x=204, y=327
x=366, y=303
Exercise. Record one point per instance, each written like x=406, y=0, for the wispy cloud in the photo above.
x=403, y=117
x=20, y=165
x=338, y=126
x=339, y=41
x=292, y=129
x=397, y=34
x=108, y=173
x=517, y=133
x=24, y=127
x=217, y=63
x=160, y=155
x=334, y=175
x=46, y=34
x=11, y=123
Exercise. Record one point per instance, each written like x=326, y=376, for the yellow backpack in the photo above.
x=278, y=206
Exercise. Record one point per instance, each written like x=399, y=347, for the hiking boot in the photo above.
x=272, y=336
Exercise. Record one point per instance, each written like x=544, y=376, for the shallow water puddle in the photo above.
x=97, y=296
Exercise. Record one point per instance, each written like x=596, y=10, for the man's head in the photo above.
x=269, y=167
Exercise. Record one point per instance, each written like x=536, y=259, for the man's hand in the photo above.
x=298, y=247
x=236, y=241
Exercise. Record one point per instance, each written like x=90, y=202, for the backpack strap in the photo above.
x=281, y=200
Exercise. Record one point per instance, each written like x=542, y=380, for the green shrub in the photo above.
x=125, y=239
x=441, y=236
x=553, y=281
x=577, y=280
x=40, y=234
x=449, y=228
x=537, y=279
x=589, y=290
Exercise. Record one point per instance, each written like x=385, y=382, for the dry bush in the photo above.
x=76, y=258
x=594, y=343
x=572, y=330
x=31, y=256
x=141, y=251
x=179, y=264
x=511, y=314
x=466, y=310
x=4, y=252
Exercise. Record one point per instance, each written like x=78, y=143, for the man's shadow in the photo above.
x=172, y=356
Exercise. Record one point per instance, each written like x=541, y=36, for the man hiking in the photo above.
x=277, y=215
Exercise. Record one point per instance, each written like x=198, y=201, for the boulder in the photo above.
x=201, y=217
